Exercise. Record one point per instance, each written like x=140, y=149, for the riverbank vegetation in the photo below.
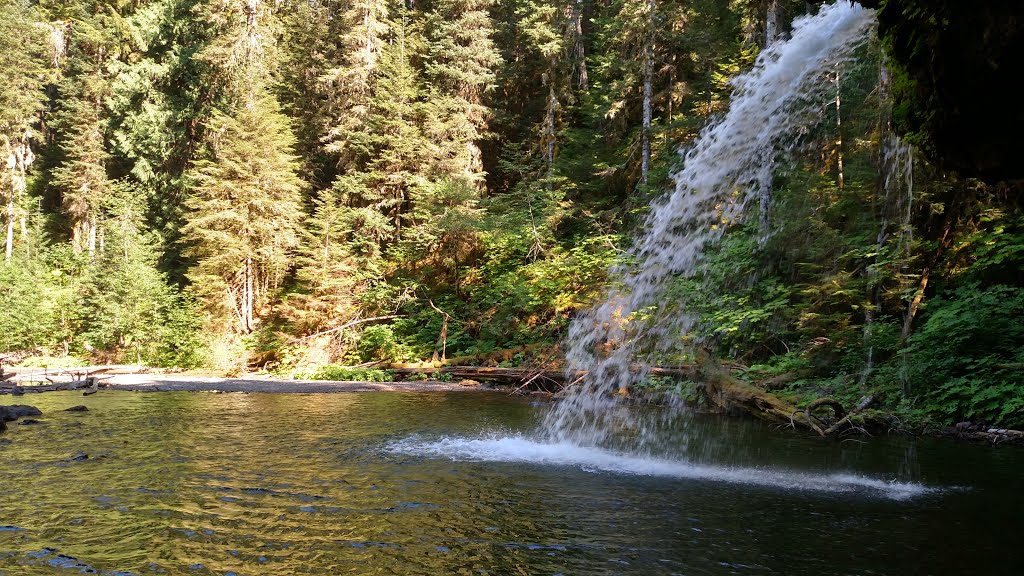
x=284, y=185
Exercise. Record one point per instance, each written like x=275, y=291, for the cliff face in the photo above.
x=956, y=66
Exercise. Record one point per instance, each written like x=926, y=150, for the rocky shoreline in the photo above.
x=178, y=383
x=187, y=383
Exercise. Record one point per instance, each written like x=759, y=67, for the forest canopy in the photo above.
x=256, y=184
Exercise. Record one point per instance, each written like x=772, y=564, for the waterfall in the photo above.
x=725, y=168
x=896, y=166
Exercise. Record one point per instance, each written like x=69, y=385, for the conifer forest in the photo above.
x=288, y=185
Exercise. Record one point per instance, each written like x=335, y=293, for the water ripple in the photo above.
x=525, y=450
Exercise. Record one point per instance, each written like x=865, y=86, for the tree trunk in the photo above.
x=908, y=321
x=839, y=136
x=765, y=193
x=645, y=160
x=76, y=237
x=247, y=297
x=771, y=23
x=579, y=51
x=549, y=124
x=19, y=159
x=91, y=223
x=9, y=246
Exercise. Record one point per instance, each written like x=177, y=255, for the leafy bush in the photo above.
x=182, y=343
x=28, y=319
x=965, y=359
x=379, y=343
x=53, y=362
x=347, y=373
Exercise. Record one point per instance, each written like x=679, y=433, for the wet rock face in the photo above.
x=955, y=68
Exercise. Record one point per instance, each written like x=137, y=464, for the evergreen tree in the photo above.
x=81, y=176
x=245, y=209
x=394, y=169
x=329, y=275
x=244, y=192
x=309, y=53
x=24, y=51
x=352, y=85
x=124, y=298
x=460, y=65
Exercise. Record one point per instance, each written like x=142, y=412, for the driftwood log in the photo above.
x=515, y=375
x=732, y=395
x=86, y=377
x=723, y=390
x=967, y=431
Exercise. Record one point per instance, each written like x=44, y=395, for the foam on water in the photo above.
x=522, y=449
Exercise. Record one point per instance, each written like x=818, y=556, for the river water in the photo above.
x=455, y=483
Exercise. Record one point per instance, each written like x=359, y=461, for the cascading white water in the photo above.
x=897, y=167
x=771, y=106
x=898, y=174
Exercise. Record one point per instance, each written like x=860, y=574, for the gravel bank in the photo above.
x=171, y=383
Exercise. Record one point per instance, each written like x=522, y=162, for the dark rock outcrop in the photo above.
x=15, y=411
x=955, y=67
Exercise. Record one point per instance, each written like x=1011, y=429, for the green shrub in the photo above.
x=379, y=343
x=347, y=373
x=965, y=359
x=53, y=362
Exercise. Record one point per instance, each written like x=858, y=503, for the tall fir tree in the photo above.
x=244, y=211
x=460, y=65
x=245, y=192
x=24, y=70
x=352, y=84
x=330, y=275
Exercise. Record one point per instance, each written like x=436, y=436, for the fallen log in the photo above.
x=723, y=390
x=91, y=382
x=481, y=372
x=864, y=403
x=732, y=395
x=836, y=407
x=992, y=435
x=503, y=355
x=519, y=374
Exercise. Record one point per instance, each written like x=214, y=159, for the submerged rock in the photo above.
x=78, y=408
x=15, y=411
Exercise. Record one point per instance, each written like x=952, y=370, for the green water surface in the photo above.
x=282, y=484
